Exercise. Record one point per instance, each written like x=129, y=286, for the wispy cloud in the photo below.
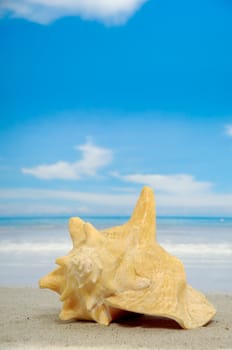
x=46, y=11
x=56, y=202
x=93, y=158
x=173, y=184
x=85, y=197
x=229, y=130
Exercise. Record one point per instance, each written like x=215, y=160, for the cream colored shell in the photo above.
x=123, y=269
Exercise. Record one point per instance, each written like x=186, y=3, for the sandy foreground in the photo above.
x=29, y=320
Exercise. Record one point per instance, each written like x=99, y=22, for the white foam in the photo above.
x=180, y=249
x=201, y=249
x=34, y=247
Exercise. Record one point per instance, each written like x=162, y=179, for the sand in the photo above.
x=29, y=320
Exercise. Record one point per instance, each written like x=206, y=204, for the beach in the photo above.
x=29, y=317
x=29, y=320
x=115, y=175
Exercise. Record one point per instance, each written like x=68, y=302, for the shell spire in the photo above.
x=143, y=216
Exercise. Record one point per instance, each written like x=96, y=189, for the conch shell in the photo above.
x=123, y=269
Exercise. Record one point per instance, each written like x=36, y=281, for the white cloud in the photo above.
x=46, y=11
x=52, y=202
x=229, y=130
x=31, y=201
x=93, y=159
x=173, y=184
x=200, y=204
x=84, y=197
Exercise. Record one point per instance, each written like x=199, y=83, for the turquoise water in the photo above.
x=29, y=247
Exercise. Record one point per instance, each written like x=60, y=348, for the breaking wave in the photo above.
x=180, y=249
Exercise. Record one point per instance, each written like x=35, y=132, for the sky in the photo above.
x=99, y=98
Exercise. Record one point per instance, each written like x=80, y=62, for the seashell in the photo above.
x=123, y=269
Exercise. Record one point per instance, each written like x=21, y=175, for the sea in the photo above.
x=29, y=247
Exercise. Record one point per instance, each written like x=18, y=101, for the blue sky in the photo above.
x=99, y=100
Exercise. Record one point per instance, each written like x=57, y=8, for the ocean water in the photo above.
x=29, y=247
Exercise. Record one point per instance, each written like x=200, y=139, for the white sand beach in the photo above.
x=29, y=320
